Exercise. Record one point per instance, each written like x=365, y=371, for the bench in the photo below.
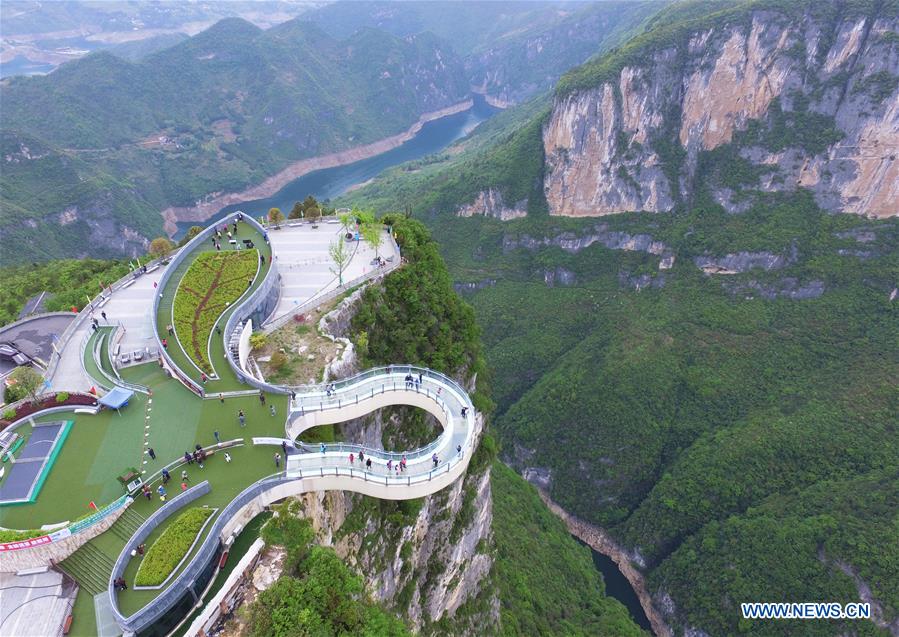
x=87, y=410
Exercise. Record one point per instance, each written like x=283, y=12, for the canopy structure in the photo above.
x=117, y=398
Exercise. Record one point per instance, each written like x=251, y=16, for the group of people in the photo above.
x=366, y=462
x=412, y=382
x=198, y=455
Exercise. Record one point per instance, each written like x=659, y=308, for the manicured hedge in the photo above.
x=170, y=547
x=213, y=282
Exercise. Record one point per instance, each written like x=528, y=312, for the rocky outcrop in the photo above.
x=490, y=204
x=425, y=566
x=602, y=234
x=824, y=96
x=740, y=262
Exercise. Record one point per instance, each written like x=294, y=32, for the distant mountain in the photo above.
x=512, y=50
x=93, y=151
x=139, y=49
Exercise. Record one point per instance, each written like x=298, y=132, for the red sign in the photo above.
x=25, y=544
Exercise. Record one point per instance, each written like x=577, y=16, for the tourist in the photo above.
x=213, y=240
x=218, y=440
x=464, y=411
x=459, y=449
x=151, y=453
x=272, y=410
x=321, y=446
x=146, y=492
x=403, y=463
x=368, y=464
x=435, y=459
x=103, y=314
x=141, y=549
x=184, y=476
x=361, y=456
x=165, y=344
x=227, y=457
x=203, y=377
x=155, y=284
x=184, y=486
x=352, y=458
x=261, y=398
x=161, y=491
x=242, y=418
x=277, y=460
x=284, y=447
x=409, y=381
x=170, y=329
x=222, y=398
x=165, y=476
x=187, y=458
x=389, y=465
x=420, y=378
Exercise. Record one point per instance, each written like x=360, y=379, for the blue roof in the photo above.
x=116, y=398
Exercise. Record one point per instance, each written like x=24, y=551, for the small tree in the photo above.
x=276, y=216
x=348, y=221
x=191, y=233
x=27, y=381
x=160, y=246
x=310, y=202
x=341, y=258
x=373, y=235
x=313, y=213
x=296, y=212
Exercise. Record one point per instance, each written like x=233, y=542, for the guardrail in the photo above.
x=164, y=601
x=97, y=301
x=185, y=252
x=279, y=321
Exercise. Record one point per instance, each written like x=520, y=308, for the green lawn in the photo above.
x=226, y=381
x=101, y=447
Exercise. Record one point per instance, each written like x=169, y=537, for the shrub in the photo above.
x=9, y=414
x=278, y=361
x=169, y=548
x=11, y=535
x=62, y=396
x=258, y=340
x=213, y=282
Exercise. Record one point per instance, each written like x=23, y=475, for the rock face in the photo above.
x=425, y=567
x=814, y=102
x=490, y=203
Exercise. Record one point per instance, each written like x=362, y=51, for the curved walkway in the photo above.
x=328, y=467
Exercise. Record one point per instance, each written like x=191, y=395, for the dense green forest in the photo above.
x=735, y=432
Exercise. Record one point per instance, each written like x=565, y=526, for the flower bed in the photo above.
x=213, y=282
x=170, y=548
x=62, y=399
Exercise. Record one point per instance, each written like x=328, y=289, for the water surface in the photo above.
x=328, y=183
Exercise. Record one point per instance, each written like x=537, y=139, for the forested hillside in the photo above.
x=712, y=382
x=94, y=152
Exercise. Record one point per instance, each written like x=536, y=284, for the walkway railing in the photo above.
x=329, y=464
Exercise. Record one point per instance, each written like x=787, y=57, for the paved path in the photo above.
x=129, y=306
x=306, y=266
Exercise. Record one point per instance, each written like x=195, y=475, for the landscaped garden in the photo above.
x=213, y=282
x=170, y=548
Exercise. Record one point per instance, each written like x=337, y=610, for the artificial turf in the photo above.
x=101, y=447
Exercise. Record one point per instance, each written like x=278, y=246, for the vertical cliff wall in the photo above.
x=799, y=97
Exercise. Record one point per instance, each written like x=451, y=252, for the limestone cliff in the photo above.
x=797, y=97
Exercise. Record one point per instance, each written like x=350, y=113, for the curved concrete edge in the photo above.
x=284, y=488
x=364, y=406
x=411, y=485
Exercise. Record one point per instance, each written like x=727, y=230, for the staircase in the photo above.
x=91, y=567
x=234, y=343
